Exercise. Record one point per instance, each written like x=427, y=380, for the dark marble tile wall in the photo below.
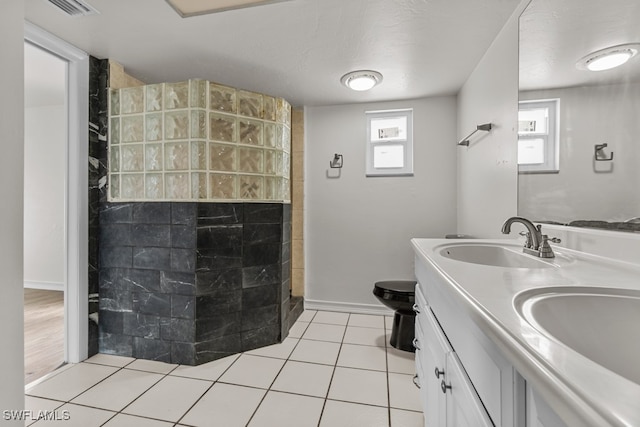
x=98, y=120
x=193, y=282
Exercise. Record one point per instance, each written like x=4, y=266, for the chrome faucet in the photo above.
x=537, y=243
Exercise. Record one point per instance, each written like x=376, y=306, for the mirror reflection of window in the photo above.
x=538, y=125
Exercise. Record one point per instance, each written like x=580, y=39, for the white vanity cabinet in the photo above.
x=464, y=379
x=448, y=397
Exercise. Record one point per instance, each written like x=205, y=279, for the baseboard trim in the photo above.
x=347, y=307
x=45, y=286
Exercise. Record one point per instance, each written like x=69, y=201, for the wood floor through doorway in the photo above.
x=43, y=332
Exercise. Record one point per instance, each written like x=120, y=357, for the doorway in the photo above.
x=45, y=219
x=72, y=182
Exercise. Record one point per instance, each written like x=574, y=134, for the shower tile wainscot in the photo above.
x=190, y=282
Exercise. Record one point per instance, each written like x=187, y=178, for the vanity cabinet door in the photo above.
x=433, y=354
x=464, y=408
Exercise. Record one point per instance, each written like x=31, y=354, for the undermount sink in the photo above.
x=601, y=324
x=494, y=255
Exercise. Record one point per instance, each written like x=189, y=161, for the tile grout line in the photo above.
x=386, y=359
x=335, y=366
x=207, y=390
x=281, y=368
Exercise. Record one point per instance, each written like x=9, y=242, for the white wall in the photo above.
x=11, y=214
x=487, y=169
x=357, y=229
x=44, y=187
x=584, y=189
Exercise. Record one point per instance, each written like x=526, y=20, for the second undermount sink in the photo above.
x=510, y=256
x=601, y=324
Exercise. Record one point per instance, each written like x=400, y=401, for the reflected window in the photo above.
x=389, y=142
x=538, y=126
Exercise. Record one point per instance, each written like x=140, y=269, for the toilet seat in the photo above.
x=396, y=290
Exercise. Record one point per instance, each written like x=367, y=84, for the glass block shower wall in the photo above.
x=198, y=141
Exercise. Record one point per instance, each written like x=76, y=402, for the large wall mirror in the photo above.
x=579, y=130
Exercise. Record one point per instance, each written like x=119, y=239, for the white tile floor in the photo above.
x=334, y=370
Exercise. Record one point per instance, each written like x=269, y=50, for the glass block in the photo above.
x=153, y=157
x=132, y=158
x=154, y=97
x=176, y=95
x=114, y=159
x=222, y=186
x=114, y=186
x=222, y=98
x=132, y=186
x=177, y=186
x=153, y=127
x=176, y=125
x=114, y=102
x=283, y=111
x=279, y=134
x=272, y=186
x=250, y=160
x=251, y=187
x=198, y=124
x=269, y=105
x=199, y=155
x=153, y=186
x=286, y=190
x=132, y=100
x=250, y=104
x=198, y=90
x=176, y=156
x=286, y=165
x=270, y=162
x=285, y=138
x=132, y=129
x=114, y=131
x=279, y=166
x=198, y=185
x=250, y=132
x=222, y=157
x=222, y=128
x=270, y=135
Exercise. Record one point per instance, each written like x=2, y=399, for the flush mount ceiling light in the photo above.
x=608, y=58
x=187, y=8
x=361, y=80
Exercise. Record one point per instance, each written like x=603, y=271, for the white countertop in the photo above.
x=581, y=391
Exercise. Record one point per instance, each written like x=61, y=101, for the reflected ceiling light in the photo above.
x=608, y=58
x=361, y=80
x=187, y=8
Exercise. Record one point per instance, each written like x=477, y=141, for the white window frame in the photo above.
x=551, y=137
x=405, y=143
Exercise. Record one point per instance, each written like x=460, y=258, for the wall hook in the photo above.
x=336, y=162
x=465, y=141
x=599, y=153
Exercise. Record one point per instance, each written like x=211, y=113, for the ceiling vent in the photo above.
x=74, y=7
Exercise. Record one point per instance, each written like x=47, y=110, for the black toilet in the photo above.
x=399, y=295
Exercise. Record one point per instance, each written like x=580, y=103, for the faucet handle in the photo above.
x=545, y=250
x=555, y=240
x=528, y=243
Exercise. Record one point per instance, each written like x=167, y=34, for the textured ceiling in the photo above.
x=297, y=49
x=555, y=34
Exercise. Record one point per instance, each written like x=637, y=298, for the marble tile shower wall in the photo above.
x=197, y=140
x=193, y=282
x=98, y=127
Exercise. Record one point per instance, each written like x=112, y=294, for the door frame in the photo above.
x=76, y=295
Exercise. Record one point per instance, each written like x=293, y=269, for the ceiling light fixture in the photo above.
x=361, y=80
x=187, y=8
x=611, y=57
